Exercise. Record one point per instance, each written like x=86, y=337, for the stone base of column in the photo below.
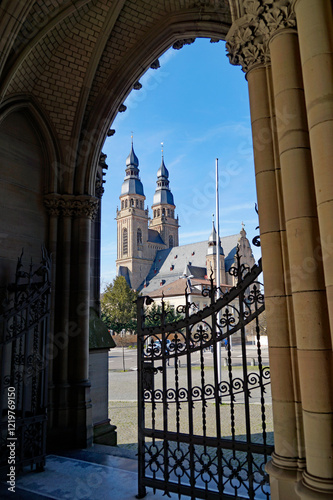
x=105, y=433
x=284, y=476
x=314, y=488
x=83, y=414
x=72, y=423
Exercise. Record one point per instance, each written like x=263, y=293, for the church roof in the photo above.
x=155, y=237
x=163, y=196
x=123, y=271
x=169, y=264
x=174, y=288
x=132, y=186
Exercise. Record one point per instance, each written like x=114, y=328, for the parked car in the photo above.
x=158, y=344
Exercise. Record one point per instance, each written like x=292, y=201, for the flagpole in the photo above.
x=217, y=277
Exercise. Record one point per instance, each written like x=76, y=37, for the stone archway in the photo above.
x=79, y=61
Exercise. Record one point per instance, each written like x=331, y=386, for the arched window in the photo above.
x=122, y=204
x=125, y=203
x=141, y=204
x=125, y=241
x=132, y=202
x=163, y=211
x=168, y=212
x=139, y=237
x=170, y=241
x=137, y=203
x=158, y=212
x=154, y=213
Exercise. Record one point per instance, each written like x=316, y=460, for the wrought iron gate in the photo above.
x=198, y=433
x=24, y=325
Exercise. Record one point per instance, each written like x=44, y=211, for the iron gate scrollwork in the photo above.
x=24, y=326
x=202, y=428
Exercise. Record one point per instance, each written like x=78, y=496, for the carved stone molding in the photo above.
x=86, y=206
x=99, y=188
x=52, y=204
x=249, y=36
x=71, y=205
x=180, y=43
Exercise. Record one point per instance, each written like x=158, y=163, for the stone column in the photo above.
x=315, y=31
x=306, y=272
x=85, y=208
x=61, y=340
x=247, y=47
x=51, y=203
x=70, y=239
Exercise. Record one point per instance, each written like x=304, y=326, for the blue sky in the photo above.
x=197, y=104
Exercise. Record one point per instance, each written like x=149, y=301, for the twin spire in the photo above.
x=133, y=185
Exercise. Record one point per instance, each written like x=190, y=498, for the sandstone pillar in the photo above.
x=315, y=30
x=306, y=273
x=85, y=207
x=70, y=238
x=288, y=458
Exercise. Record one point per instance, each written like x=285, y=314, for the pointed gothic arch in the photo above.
x=284, y=48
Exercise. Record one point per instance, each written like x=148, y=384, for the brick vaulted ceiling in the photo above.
x=79, y=59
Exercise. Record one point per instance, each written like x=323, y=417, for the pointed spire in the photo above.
x=212, y=241
x=163, y=194
x=212, y=237
x=132, y=159
x=163, y=171
x=132, y=183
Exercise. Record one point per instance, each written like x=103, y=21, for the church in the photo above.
x=148, y=252
x=66, y=69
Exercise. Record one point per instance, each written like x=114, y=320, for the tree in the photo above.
x=118, y=306
x=153, y=314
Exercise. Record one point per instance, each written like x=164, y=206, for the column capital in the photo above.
x=249, y=36
x=52, y=204
x=68, y=205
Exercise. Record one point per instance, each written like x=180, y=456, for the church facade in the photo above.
x=148, y=251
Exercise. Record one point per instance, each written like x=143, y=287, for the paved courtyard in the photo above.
x=123, y=399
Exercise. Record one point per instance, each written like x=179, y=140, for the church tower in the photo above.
x=163, y=208
x=211, y=257
x=132, y=226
